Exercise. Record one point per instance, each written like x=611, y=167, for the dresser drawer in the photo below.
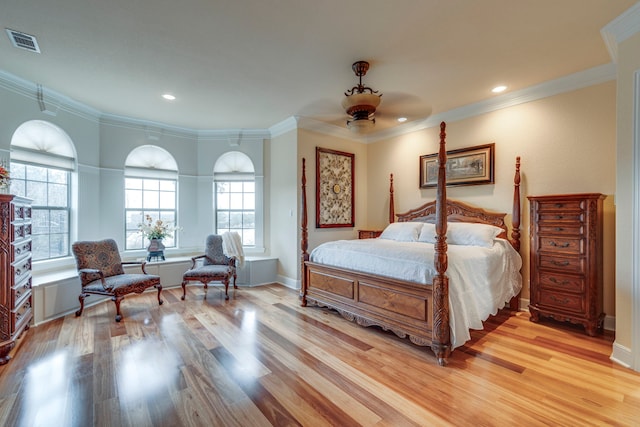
x=21, y=212
x=560, y=205
x=560, y=217
x=567, y=265
x=565, y=245
x=21, y=315
x=21, y=291
x=560, y=229
x=565, y=302
x=560, y=282
x=21, y=231
x=21, y=269
x=21, y=249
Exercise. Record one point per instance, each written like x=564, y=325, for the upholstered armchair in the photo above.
x=216, y=267
x=102, y=273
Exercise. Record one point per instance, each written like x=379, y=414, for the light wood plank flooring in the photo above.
x=260, y=359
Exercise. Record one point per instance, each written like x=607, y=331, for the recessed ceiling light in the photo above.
x=499, y=89
x=402, y=119
x=168, y=97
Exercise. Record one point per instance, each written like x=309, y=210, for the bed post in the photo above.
x=514, y=304
x=515, y=220
x=441, y=343
x=304, y=240
x=392, y=211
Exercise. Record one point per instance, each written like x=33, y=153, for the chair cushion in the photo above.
x=216, y=272
x=101, y=255
x=123, y=284
x=214, y=251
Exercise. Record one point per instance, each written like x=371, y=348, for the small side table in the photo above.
x=369, y=234
x=155, y=255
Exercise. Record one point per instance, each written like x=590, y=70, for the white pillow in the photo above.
x=428, y=233
x=472, y=234
x=402, y=231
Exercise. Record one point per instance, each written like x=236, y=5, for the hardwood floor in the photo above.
x=260, y=359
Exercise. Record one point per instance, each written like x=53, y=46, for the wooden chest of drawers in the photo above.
x=566, y=259
x=16, y=310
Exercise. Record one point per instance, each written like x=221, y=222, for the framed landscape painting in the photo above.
x=465, y=166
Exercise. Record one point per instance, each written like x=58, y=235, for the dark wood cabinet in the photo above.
x=16, y=310
x=369, y=234
x=566, y=259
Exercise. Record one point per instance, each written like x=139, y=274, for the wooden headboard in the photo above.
x=461, y=212
x=456, y=212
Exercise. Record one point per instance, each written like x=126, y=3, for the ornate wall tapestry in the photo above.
x=465, y=166
x=334, y=189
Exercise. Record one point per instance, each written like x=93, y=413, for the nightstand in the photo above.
x=369, y=234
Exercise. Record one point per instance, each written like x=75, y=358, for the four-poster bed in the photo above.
x=419, y=311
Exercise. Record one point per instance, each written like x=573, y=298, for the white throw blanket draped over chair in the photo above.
x=232, y=246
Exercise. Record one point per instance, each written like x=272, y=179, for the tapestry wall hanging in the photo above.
x=334, y=188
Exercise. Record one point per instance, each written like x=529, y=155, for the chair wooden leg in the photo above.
x=234, y=281
x=117, y=300
x=226, y=288
x=81, y=298
x=184, y=290
x=159, y=292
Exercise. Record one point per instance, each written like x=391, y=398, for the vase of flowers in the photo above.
x=155, y=231
x=5, y=178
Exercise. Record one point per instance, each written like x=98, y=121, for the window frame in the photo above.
x=242, y=178
x=36, y=208
x=144, y=211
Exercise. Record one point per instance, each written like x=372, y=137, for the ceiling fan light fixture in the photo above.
x=361, y=101
x=360, y=125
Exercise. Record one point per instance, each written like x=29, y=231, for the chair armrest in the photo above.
x=193, y=260
x=95, y=271
x=233, y=261
x=142, y=264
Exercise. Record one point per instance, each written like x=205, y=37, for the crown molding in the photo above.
x=629, y=23
x=590, y=77
x=287, y=125
x=49, y=101
x=620, y=29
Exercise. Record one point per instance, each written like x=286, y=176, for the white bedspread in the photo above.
x=481, y=280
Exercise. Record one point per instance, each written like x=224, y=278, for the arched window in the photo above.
x=42, y=160
x=235, y=196
x=150, y=188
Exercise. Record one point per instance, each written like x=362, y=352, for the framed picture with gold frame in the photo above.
x=465, y=166
x=334, y=189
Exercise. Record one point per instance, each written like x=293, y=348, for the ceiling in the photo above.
x=251, y=64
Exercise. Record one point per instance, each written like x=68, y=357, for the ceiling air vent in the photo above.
x=23, y=41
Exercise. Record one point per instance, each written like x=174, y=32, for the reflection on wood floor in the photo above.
x=259, y=359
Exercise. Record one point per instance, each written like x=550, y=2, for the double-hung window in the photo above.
x=236, y=209
x=235, y=196
x=49, y=189
x=150, y=189
x=42, y=163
